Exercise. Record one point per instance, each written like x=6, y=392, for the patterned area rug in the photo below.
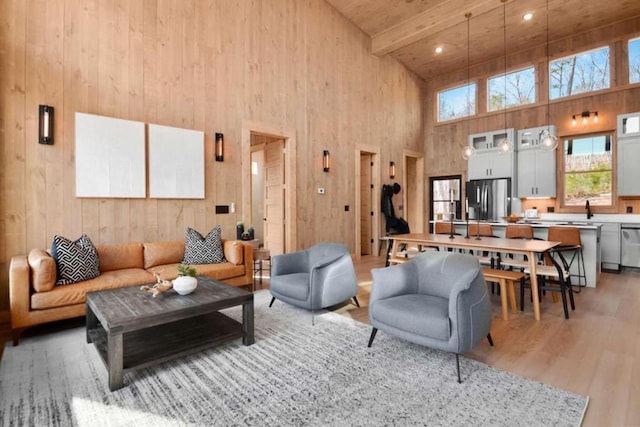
x=295, y=374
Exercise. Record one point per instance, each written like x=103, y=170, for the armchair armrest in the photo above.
x=294, y=262
x=392, y=281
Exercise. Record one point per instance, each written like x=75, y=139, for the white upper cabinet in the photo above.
x=488, y=162
x=629, y=125
x=536, y=169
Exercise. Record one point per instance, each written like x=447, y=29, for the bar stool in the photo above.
x=570, y=242
x=442, y=227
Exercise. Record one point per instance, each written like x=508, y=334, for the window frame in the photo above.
x=535, y=87
x=549, y=79
x=565, y=208
x=451, y=88
x=629, y=41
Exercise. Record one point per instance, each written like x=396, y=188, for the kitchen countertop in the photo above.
x=541, y=223
x=614, y=218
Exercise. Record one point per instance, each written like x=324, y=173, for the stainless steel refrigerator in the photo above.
x=489, y=199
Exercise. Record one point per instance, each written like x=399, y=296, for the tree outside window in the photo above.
x=581, y=73
x=457, y=102
x=588, y=170
x=634, y=61
x=513, y=89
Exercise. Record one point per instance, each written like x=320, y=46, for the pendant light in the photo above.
x=468, y=151
x=505, y=145
x=548, y=141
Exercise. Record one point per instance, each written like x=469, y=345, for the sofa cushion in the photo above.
x=203, y=250
x=233, y=251
x=121, y=256
x=220, y=271
x=43, y=270
x=76, y=261
x=160, y=253
x=62, y=296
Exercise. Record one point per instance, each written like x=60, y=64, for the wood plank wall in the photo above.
x=444, y=141
x=199, y=64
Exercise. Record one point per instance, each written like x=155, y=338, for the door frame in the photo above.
x=289, y=137
x=375, y=179
x=416, y=224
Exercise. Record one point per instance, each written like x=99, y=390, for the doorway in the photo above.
x=268, y=180
x=413, y=195
x=367, y=215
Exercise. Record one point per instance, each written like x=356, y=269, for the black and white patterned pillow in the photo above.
x=76, y=261
x=203, y=250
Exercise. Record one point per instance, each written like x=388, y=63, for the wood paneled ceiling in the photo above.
x=410, y=30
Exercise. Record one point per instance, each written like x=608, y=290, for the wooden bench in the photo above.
x=505, y=279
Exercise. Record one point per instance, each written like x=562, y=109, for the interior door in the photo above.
x=274, y=219
x=366, y=204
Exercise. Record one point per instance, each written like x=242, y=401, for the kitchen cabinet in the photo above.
x=629, y=125
x=492, y=164
x=536, y=167
x=628, y=170
x=488, y=161
x=610, y=245
x=536, y=173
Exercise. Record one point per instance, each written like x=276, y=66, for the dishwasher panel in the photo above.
x=630, y=245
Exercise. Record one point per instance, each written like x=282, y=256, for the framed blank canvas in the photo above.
x=110, y=157
x=176, y=163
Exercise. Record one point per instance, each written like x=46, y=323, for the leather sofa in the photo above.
x=34, y=298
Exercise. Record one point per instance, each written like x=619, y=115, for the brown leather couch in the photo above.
x=34, y=298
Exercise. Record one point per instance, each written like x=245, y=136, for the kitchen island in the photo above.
x=589, y=235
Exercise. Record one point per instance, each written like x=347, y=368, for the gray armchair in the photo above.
x=438, y=299
x=314, y=278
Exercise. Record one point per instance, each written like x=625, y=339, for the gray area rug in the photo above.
x=295, y=374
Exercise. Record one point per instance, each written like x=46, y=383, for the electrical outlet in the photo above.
x=320, y=190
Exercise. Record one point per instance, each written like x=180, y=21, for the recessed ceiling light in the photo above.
x=527, y=16
x=439, y=49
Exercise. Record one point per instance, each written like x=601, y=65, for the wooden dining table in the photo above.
x=529, y=248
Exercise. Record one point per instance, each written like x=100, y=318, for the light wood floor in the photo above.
x=596, y=352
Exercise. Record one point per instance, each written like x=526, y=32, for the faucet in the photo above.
x=588, y=208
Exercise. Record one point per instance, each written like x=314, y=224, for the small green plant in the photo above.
x=185, y=270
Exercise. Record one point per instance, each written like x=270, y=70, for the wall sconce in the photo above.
x=392, y=170
x=45, y=125
x=585, y=117
x=219, y=147
x=325, y=160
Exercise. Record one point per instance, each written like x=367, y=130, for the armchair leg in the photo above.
x=373, y=335
x=458, y=367
x=355, y=301
x=490, y=339
x=272, y=300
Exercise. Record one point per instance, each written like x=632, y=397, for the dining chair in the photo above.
x=517, y=231
x=483, y=230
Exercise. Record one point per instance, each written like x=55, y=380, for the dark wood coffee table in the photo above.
x=131, y=329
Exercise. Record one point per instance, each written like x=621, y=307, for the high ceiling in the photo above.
x=410, y=30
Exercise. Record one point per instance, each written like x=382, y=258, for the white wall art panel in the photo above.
x=110, y=157
x=176, y=163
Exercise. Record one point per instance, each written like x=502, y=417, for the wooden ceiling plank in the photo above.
x=427, y=23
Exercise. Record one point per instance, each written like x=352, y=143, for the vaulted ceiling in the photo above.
x=410, y=30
